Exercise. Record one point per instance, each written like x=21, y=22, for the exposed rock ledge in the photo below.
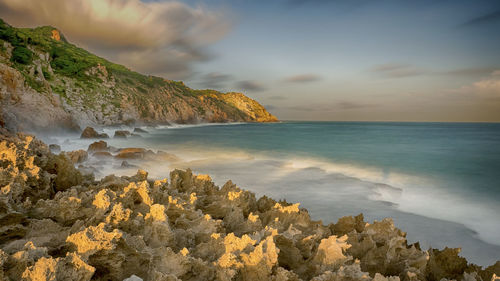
x=56, y=224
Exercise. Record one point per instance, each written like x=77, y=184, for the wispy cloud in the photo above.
x=277, y=97
x=249, y=85
x=161, y=37
x=474, y=71
x=343, y=3
x=214, y=80
x=302, y=78
x=331, y=107
x=270, y=107
x=487, y=87
x=493, y=17
x=397, y=70
x=302, y=2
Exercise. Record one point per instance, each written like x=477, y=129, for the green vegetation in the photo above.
x=34, y=84
x=66, y=59
x=46, y=73
x=70, y=61
x=22, y=55
x=65, y=63
x=60, y=90
x=71, y=66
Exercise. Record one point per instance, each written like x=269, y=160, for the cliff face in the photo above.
x=249, y=106
x=47, y=83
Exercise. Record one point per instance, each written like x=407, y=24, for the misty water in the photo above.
x=440, y=182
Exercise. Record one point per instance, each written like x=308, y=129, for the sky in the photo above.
x=340, y=60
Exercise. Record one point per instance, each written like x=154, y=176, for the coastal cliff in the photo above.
x=46, y=83
x=58, y=223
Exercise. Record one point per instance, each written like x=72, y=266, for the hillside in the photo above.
x=48, y=83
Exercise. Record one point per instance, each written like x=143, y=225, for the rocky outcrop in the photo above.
x=98, y=146
x=56, y=35
x=64, y=87
x=131, y=153
x=23, y=108
x=91, y=133
x=77, y=156
x=55, y=148
x=249, y=106
x=121, y=134
x=59, y=225
x=102, y=154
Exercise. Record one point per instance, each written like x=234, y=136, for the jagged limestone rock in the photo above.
x=57, y=225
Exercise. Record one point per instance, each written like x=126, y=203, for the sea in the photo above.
x=440, y=182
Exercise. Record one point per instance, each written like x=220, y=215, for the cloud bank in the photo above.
x=473, y=71
x=303, y=78
x=249, y=85
x=397, y=70
x=162, y=38
x=493, y=17
x=332, y=107
x=214, y=80
x=488, y=87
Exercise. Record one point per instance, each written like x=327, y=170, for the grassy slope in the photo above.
x=71, y=65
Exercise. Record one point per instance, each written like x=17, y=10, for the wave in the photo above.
x=184, y=126
x=328, y=189
x=407, y=193
x=418, y=195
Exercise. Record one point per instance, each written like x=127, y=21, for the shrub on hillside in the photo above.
x=22, y=55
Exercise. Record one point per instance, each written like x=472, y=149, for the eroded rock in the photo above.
x=131, y=153
x=102, y=154
x=98, y=146
x=77, y=156
x=57, y=225
x=121, y=134
x=55, y=148
x=91, y=133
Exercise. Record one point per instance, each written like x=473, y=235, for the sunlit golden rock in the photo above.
x=58, y=225
x=56, y=35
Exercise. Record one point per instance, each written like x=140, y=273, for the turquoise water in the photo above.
x=463, y=158
x=439, y=181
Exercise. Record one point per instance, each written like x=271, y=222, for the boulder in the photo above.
x=91, y=133
x=66, y=175
x=77, y=156
x=131, y=153
x=165, y=156
x=55, y=148
x=139, y=130
x=122, y=134
x=98, y=146
x=102, y=154
x=126, y=164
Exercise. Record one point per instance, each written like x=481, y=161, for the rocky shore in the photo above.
x=58, y=222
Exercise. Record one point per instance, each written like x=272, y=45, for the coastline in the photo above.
x=187, y=228
x=329, y=190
